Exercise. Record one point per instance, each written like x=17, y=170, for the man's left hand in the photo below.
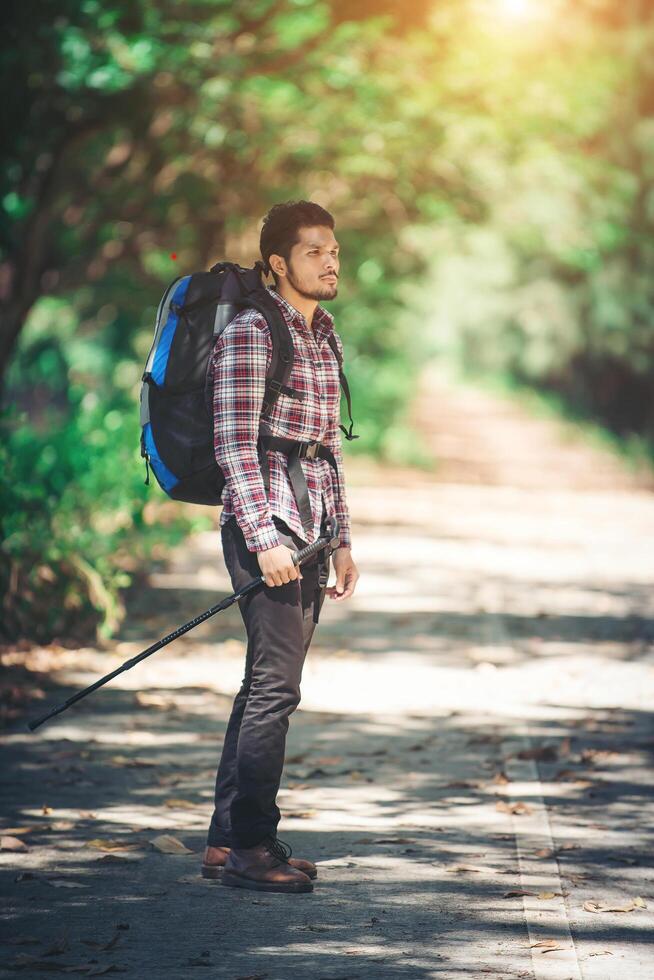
x=346, y=575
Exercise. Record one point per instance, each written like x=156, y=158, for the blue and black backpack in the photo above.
x=176, y=412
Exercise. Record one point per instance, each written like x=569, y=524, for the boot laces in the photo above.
x=279, y=848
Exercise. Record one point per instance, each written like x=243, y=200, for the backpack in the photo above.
x=176, y=410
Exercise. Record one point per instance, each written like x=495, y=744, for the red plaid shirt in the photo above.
x=239, y=362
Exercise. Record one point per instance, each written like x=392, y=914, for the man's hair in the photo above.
x=282, y=224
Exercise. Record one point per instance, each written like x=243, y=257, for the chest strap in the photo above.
x=295, y=450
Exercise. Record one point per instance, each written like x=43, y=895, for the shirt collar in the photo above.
x=321, y=325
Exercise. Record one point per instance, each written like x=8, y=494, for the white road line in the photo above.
x=546, y=918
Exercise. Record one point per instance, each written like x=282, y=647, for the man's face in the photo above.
x=313, y=267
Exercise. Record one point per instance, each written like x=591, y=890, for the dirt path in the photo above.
x=470, y=764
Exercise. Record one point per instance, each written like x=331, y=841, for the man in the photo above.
x=260, y=531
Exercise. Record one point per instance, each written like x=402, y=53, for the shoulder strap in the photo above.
x=281, y=363
x=345, y=386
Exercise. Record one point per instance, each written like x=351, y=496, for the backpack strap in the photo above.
x=344, y=385
x=281, y=363
x=280, y=368
x=295, y=450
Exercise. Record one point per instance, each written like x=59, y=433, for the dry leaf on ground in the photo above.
x=127, y=761
x=542, y=753
x=518, y=808
x=12, y=844
x=635, y=903
x=169, y=845
x=545, y=944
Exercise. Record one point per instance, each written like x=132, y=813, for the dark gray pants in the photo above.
x=280, y=621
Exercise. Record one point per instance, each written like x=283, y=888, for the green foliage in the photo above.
x=490, y=175
x=77, y=521
x=553, y=288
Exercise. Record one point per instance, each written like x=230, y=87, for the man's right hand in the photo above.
x=277, y=565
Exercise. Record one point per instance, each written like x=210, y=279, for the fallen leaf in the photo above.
x=592, y=906
x=393, y=840
x=12, y=844
x=19, y=831
x=466, y=868
x=169, y=845
x=501, y=778
x=46, y=809
x=517, y=893
x=125, y=760
x=518, y=808
x=546, y=943
x=543, y=753
x=547, y=895
x=461, y=784
x=103, y=844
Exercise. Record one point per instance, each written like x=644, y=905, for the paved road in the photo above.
x=470, y=765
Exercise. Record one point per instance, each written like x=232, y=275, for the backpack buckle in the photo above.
x=308, y=450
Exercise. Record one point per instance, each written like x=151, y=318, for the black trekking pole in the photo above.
x=330, y=540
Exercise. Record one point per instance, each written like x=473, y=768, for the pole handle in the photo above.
x=331, y=539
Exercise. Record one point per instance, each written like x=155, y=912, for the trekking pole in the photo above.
x=330, y=540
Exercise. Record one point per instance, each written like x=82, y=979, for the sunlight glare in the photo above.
x=516, y=9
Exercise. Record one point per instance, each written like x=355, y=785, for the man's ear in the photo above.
x=277, y=264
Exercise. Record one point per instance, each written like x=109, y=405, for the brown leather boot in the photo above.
x=215, y=858
x=264, y=867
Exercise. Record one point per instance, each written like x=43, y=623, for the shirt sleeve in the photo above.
x=240, y=358
x=333, y=441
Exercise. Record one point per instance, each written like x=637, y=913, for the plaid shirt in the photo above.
x=239, y=361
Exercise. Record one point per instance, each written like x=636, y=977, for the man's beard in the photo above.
x=329, y=290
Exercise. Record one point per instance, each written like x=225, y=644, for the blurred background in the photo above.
x=489, y=164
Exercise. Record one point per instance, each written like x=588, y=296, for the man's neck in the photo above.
x=307, y=307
